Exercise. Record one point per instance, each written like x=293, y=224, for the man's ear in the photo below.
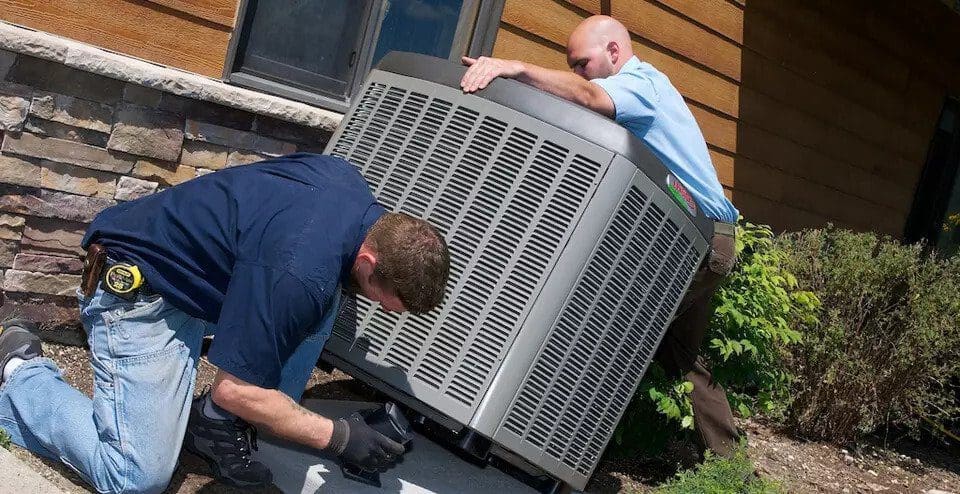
x=365, y=264
x=613, y=49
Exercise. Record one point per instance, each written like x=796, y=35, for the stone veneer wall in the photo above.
x=75, y=142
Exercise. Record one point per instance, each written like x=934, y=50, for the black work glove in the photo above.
x=357, y=444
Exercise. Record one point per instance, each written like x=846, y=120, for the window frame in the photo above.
x=471, y=38
x=933, y=192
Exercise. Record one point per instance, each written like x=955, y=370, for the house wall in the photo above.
x=814, y=112
x=74, y=142
x=187, y=34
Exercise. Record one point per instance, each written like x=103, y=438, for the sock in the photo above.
x=11, y=366
x=212, y=411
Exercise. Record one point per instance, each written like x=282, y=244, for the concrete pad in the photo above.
x=426, y=469
x=19, y=478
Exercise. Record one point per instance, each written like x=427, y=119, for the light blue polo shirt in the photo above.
x=652, y=109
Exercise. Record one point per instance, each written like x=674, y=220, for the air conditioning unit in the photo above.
x=571, y=250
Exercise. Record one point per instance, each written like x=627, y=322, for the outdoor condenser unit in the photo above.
x=571, y=247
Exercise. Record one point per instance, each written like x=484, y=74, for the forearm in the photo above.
x=568, y=86
x=273, y=411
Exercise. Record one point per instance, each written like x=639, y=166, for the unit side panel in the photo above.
x=586, y=371
x=546, y=308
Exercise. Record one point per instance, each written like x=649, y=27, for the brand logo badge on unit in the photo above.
x=681, y=195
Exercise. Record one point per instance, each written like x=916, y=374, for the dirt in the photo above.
x=870, y=466
x=800, y=466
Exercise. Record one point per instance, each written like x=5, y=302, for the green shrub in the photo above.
x=4, y=439
x=759, y=310
x=659, y=411
x=888, y=344
x=718, y=475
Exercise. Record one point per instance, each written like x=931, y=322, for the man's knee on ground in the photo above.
x=149, y=472
x=151, y=478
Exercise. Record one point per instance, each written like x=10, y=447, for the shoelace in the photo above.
x=246, y=436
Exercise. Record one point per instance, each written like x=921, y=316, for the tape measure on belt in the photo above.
x=122, y=280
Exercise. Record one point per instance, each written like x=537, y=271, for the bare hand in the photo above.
x=485, y=69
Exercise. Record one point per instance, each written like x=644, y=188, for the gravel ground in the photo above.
x=802, y=467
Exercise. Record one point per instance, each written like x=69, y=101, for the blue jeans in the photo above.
x=144, y=355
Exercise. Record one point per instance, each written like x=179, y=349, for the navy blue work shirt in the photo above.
x=259, y=250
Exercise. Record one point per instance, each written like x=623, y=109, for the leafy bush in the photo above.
x=659, y=411
x=4, y=439
x=887, y=347
x=759, y=310
x=718, y=475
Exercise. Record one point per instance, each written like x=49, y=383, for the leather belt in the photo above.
x=118, y=278
x=725, y=229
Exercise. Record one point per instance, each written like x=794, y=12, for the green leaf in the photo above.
x=735, y=346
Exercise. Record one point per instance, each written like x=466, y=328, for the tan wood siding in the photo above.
x=677, y=33
x=591, y=6
x=809, y=117
x=719, y=130
x=551, y=22
x=221, y=12
x=513, y=43
x=840, y=44
x=921, y=33
x=721, y=16
x=138, y=28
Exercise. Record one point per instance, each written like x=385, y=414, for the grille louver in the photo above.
x=504, y=209
x=585, y=375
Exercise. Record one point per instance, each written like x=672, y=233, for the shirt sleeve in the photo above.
x=634, y=96
x=266, y=313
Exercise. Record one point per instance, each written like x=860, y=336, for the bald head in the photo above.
x=598, y=47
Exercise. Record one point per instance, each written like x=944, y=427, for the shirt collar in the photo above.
x=632, y=64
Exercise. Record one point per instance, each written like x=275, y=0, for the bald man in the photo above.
x=608, y=79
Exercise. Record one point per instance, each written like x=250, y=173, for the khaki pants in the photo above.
x=678, y=352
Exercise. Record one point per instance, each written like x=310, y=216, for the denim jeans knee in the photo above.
x=144, y=354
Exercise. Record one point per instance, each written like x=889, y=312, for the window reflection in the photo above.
x=419, y=26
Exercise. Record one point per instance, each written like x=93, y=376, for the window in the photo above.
x=935, y=216
x=318, y=51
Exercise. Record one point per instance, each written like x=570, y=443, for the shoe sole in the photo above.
x=10, y=328
x=24, y=324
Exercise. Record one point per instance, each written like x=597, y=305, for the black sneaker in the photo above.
x=18, y=338
x=226, y=445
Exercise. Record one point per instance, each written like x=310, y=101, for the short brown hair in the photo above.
x=412, y=259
